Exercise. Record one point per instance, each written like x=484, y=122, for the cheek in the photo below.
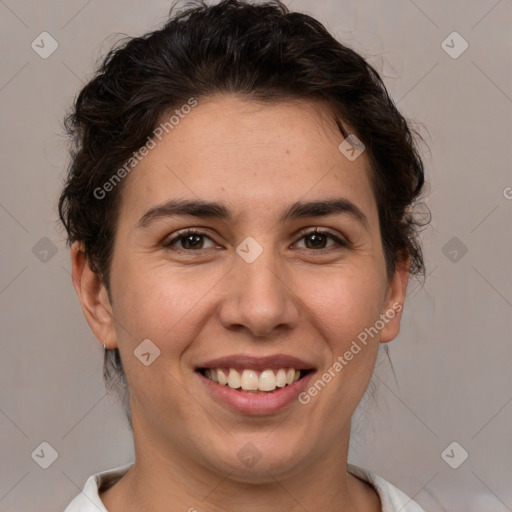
x=345, y=311
x=160, y=303
x=165, y=307
x=345, y=304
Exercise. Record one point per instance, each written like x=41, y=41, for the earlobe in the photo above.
x=93, y=297
x=392, y=313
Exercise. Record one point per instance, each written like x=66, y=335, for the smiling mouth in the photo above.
x=254, y=381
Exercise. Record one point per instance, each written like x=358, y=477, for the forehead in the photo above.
x=249, y=154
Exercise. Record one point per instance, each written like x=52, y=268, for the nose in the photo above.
x=259, y=298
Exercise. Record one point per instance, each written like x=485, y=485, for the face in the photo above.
x=247, y=240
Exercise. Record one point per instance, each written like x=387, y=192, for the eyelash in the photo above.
x=302, y=235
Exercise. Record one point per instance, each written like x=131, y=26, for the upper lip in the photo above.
x=272, y=362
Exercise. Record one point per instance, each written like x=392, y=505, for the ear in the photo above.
x=93, y=297
x=391, y=315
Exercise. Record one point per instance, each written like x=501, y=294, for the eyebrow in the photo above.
x=298, y=210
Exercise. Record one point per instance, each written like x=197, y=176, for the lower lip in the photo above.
x=256, y=403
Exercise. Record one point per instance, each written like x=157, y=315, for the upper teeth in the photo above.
x=249, y=380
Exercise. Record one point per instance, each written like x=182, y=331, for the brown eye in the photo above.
x=192, y=242
x=321, y=240
x=189, y=241
x=315, y=241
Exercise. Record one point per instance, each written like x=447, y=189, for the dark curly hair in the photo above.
x=260, y=52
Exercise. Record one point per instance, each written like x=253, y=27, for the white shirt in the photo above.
x=392, y=499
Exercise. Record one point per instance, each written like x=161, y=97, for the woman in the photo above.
x=239, y=207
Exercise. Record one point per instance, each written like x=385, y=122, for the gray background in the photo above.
x=452, y=359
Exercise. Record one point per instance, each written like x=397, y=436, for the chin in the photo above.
x=253, y=466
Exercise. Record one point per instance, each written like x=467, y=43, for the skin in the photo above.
x=207, y=302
